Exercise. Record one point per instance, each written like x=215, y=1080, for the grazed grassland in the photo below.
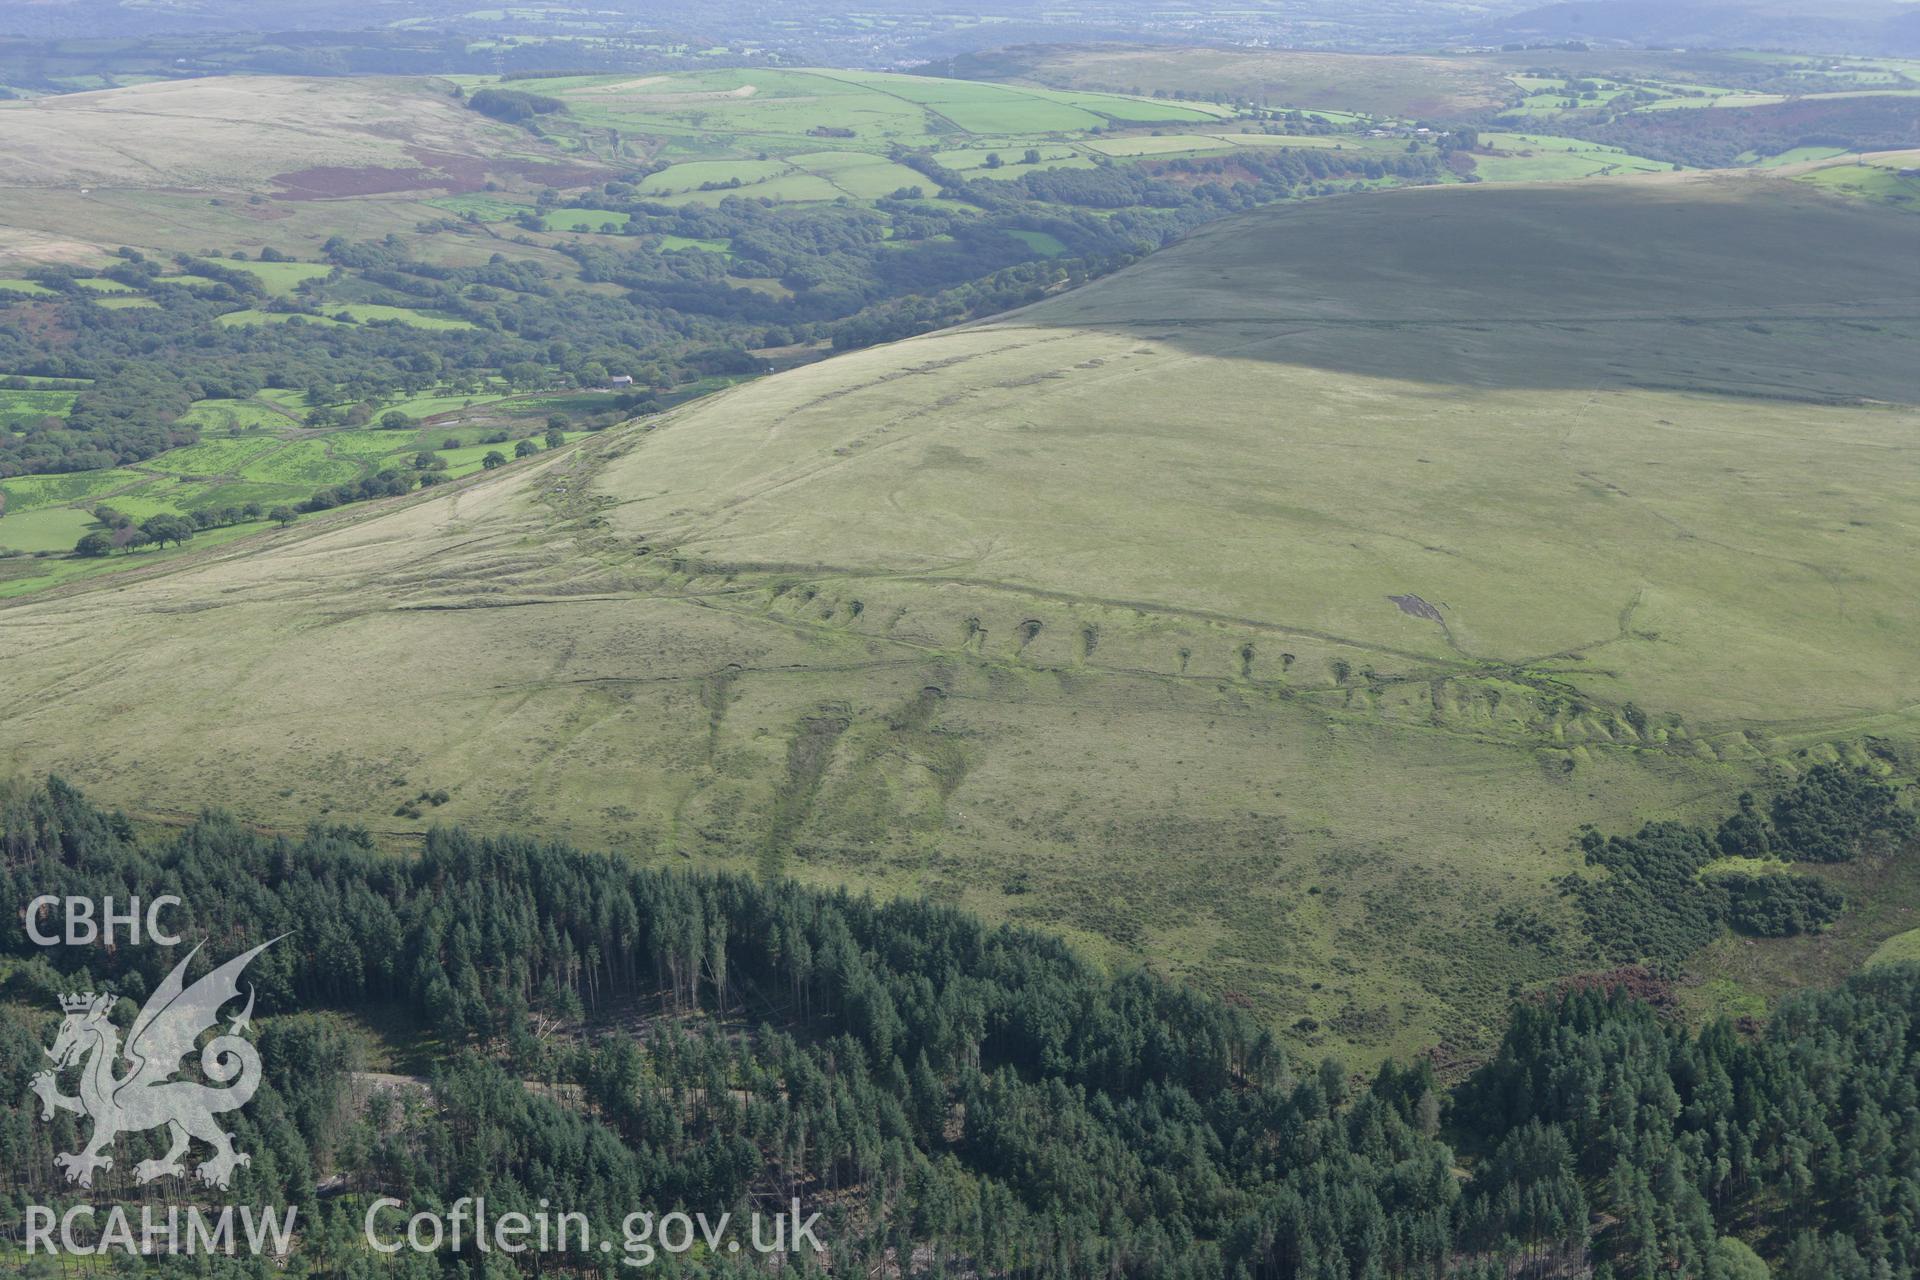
x=1082, y=616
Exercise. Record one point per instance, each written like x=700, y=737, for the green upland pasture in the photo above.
x=674, y=244
x=1184, y=143
x=229, y=417
x=963, y=101
x=371, y=444
x=1085, y=616
x=1399, y=87
x=971, y=160
x=1902, y=948
x=580, y=402
x=772, y=107
x=31, y=288
x=1881, y=182
x=486, y=208
x=1529, y=157
x=1797, y=155
x=273, y=317
x=281, y=278
x=28, y=493
x=288, y=398
x=468, y=459
x=307, y=463
x=375, y=448
x=1554, y=96
x=214, y=457
x=29, y=576
x=583, y=219
x=17, y=408
x=912, y=791
x=374, y=313
x=1745, y=976
x=1013, y=168
x=792, y=187
x=1041, y=241
x=32, y=382
x=155, y=493
x=429, y=406
x=1124, y=110
x=48, y=529
x=1727, y=99
x=40, y=224
x=783, y=110
x=187, y=280
x=1154, y=145
x=1908, y=92
x=694, y=174
x=175, y=481
x=125, y=303
x=971, y=107
x=1770, y=354
x=862, y=176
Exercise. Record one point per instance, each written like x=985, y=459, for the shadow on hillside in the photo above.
x=1741, y=286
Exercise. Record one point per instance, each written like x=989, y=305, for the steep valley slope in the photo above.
x=1273, y=612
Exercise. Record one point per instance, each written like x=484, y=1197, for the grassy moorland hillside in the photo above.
x=1390, y=85
x=233, y=132
x=1639, y=432
x=1274, y=611
x=296, y=261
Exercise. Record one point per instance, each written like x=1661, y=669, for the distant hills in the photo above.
x=1884, y=27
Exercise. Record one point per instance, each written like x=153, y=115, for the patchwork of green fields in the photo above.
x=244, y=456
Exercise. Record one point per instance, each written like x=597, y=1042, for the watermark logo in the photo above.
x=147, y=1096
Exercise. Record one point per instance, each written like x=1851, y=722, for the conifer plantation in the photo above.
x=977, y=1098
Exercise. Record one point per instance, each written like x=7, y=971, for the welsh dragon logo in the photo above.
x=148, y=1096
